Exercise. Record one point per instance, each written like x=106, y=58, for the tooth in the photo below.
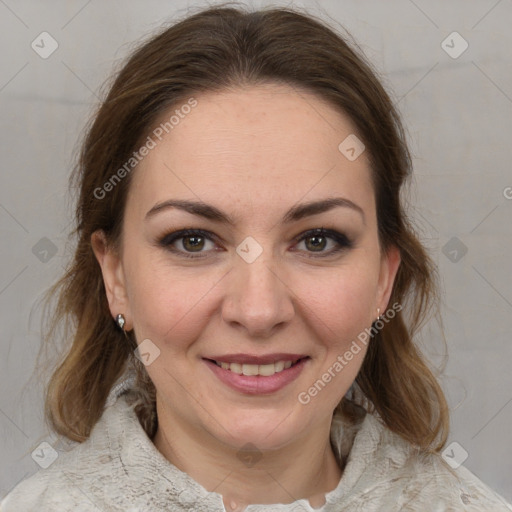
x=279, y=366
x=237, y=368
x=267, y=369
x=250, y=369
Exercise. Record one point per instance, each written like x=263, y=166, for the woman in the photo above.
x=246, y=289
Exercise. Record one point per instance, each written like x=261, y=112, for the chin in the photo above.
x=265, y=429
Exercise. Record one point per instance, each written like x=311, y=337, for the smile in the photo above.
x=256, y=379
x=265, y=370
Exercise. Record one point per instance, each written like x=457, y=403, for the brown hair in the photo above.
x=218, y=48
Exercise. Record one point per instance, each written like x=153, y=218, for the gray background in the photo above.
x=458, y=113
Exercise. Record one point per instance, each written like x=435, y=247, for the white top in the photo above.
x=119, y=469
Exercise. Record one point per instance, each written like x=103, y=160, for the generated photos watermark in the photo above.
x=151, y=143
x=304, y=397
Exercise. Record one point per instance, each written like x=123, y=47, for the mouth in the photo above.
x=263, y=370
x=258, y=379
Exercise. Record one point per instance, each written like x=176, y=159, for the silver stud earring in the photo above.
x=120, y=321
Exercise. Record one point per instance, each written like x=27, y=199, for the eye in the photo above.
x=194, y=240
x=319, y=237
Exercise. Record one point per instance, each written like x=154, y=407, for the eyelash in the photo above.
x=342, y=241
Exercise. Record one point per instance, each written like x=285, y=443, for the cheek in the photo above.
x=338, y=301
x=173, y=312
x=168, y=303
x=339, y=312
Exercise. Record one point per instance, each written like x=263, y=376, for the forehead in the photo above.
x=260, y=145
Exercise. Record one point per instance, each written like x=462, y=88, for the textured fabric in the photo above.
x=119, y=469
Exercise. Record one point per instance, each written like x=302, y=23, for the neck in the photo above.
x=304, y=469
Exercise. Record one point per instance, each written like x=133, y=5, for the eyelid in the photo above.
x=174, y=236
x=326, y=232
x=343, y=242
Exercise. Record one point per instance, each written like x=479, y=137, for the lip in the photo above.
x=254, y=359
x=257, y=384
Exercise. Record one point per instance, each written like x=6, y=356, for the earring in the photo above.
x=120, y=321
x=378, y=314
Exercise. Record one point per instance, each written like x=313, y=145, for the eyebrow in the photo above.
x=294, y=214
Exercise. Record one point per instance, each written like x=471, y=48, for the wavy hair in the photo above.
x=215, y=49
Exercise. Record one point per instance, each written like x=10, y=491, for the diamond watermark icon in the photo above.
x=147, y=352
x=454, y=249
x=249, y=454
x=45, y=455
x=351, y=147
x=249, y=250
x=44, y=45
x=454, y=45
x=44, y=250
x=454, y=454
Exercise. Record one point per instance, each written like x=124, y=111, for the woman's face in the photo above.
x=258, y=286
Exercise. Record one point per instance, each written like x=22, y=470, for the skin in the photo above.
x=253, y=152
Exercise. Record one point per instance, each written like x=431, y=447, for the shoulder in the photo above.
x=402, y=477
x=77, y=476
x=55, y=488
x=117, y=468
x=432, y=481
x=42, y=493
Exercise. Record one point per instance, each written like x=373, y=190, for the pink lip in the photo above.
x=250, y=359
x=257, y=384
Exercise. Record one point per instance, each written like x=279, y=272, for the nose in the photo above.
x=259, y=299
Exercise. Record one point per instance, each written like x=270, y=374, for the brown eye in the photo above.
x=193, y=243
x=316, y=241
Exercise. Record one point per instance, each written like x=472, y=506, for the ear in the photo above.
x=113, y=276
x=390, y=262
